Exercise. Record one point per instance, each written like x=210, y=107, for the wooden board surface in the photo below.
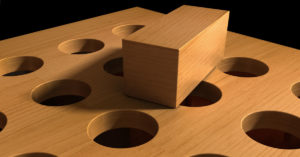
x=241, y=103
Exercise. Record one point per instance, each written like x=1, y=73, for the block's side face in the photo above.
x=200, y=56
x=150, y=72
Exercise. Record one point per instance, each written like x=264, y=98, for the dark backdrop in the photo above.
x=274, y=21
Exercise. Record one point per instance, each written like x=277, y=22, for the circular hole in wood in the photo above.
x=296, y=89
x=15, y=66
x=3, y=121
x=273, y=129
x=114, y=66
x=204, y=94
x=208, y=155
x=243, y=67
x=122, y=129
x=37, y=154
x=60, y=92
x=80, y=46
x=125, y=30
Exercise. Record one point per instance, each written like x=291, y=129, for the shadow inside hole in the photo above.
x=240, y=73
x=17, y=73
x=3, y=121
x=204, y=94
x=114, y=67
x=81, y=52
x=62, y=100
x=208, y=155
x=275, y=138
x=123, y=138
x=37, y=154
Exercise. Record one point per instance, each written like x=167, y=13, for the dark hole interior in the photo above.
x=81, y=52
x=62, y=100
x=241, y=74
x=275, y=138
x=114, y=67
x=0, y=129
x=196, y=101
x=123, y=138
x=16, y=73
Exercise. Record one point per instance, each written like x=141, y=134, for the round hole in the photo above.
x=60, y=92
x=114, y=66
x=3, y=121
x=15, y=66
x=204, y=94
x=80, y=46
x=273, y=129
x=243, y=67
x=122, y=129
x=125, y=30
x=208, y=155
x=38, y=154
x=296, y=89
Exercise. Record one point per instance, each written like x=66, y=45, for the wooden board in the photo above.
x=241, y=103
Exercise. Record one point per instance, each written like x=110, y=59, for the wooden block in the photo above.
x=165, y=61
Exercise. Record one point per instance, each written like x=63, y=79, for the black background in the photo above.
x=276, y=21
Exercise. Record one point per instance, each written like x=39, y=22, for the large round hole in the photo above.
x=60, y=92
x=208, y=155
x=296, y=89
x=114, y=66
x=80, y=46
x=122, y=129
x=125, y=30
x=204, y=94
x=243, y=67
x=274, y=129
x=37, y=154
x=3, y=121
x=14, y=66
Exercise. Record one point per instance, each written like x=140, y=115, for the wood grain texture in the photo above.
x=166, y=60
x=268, y=100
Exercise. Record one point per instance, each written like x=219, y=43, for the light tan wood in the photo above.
x=246, y=103
x=166, y=60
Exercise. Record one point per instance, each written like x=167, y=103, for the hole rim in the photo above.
x=81, y=86
x=95, y=127
x=288, y=124
x=126, y=29
x=81, y=46
x=204, y=91
x=114, y=64
x=244, y=66
x=15, y=64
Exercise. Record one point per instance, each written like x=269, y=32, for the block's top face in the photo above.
x=177, y=28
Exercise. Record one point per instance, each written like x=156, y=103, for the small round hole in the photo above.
x=243, y=67
x=208, y=155
x=37, y=154
x=125, y=30
x=204, y=94
x=60, y=92
x=3, y=121
x=80, y=46
x=273, y=129
x=122, y=129
x=296, y=89
x=15, y=66
x=114, y=66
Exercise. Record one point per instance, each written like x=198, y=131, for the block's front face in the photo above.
x=150, y=72
x=200, y=57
